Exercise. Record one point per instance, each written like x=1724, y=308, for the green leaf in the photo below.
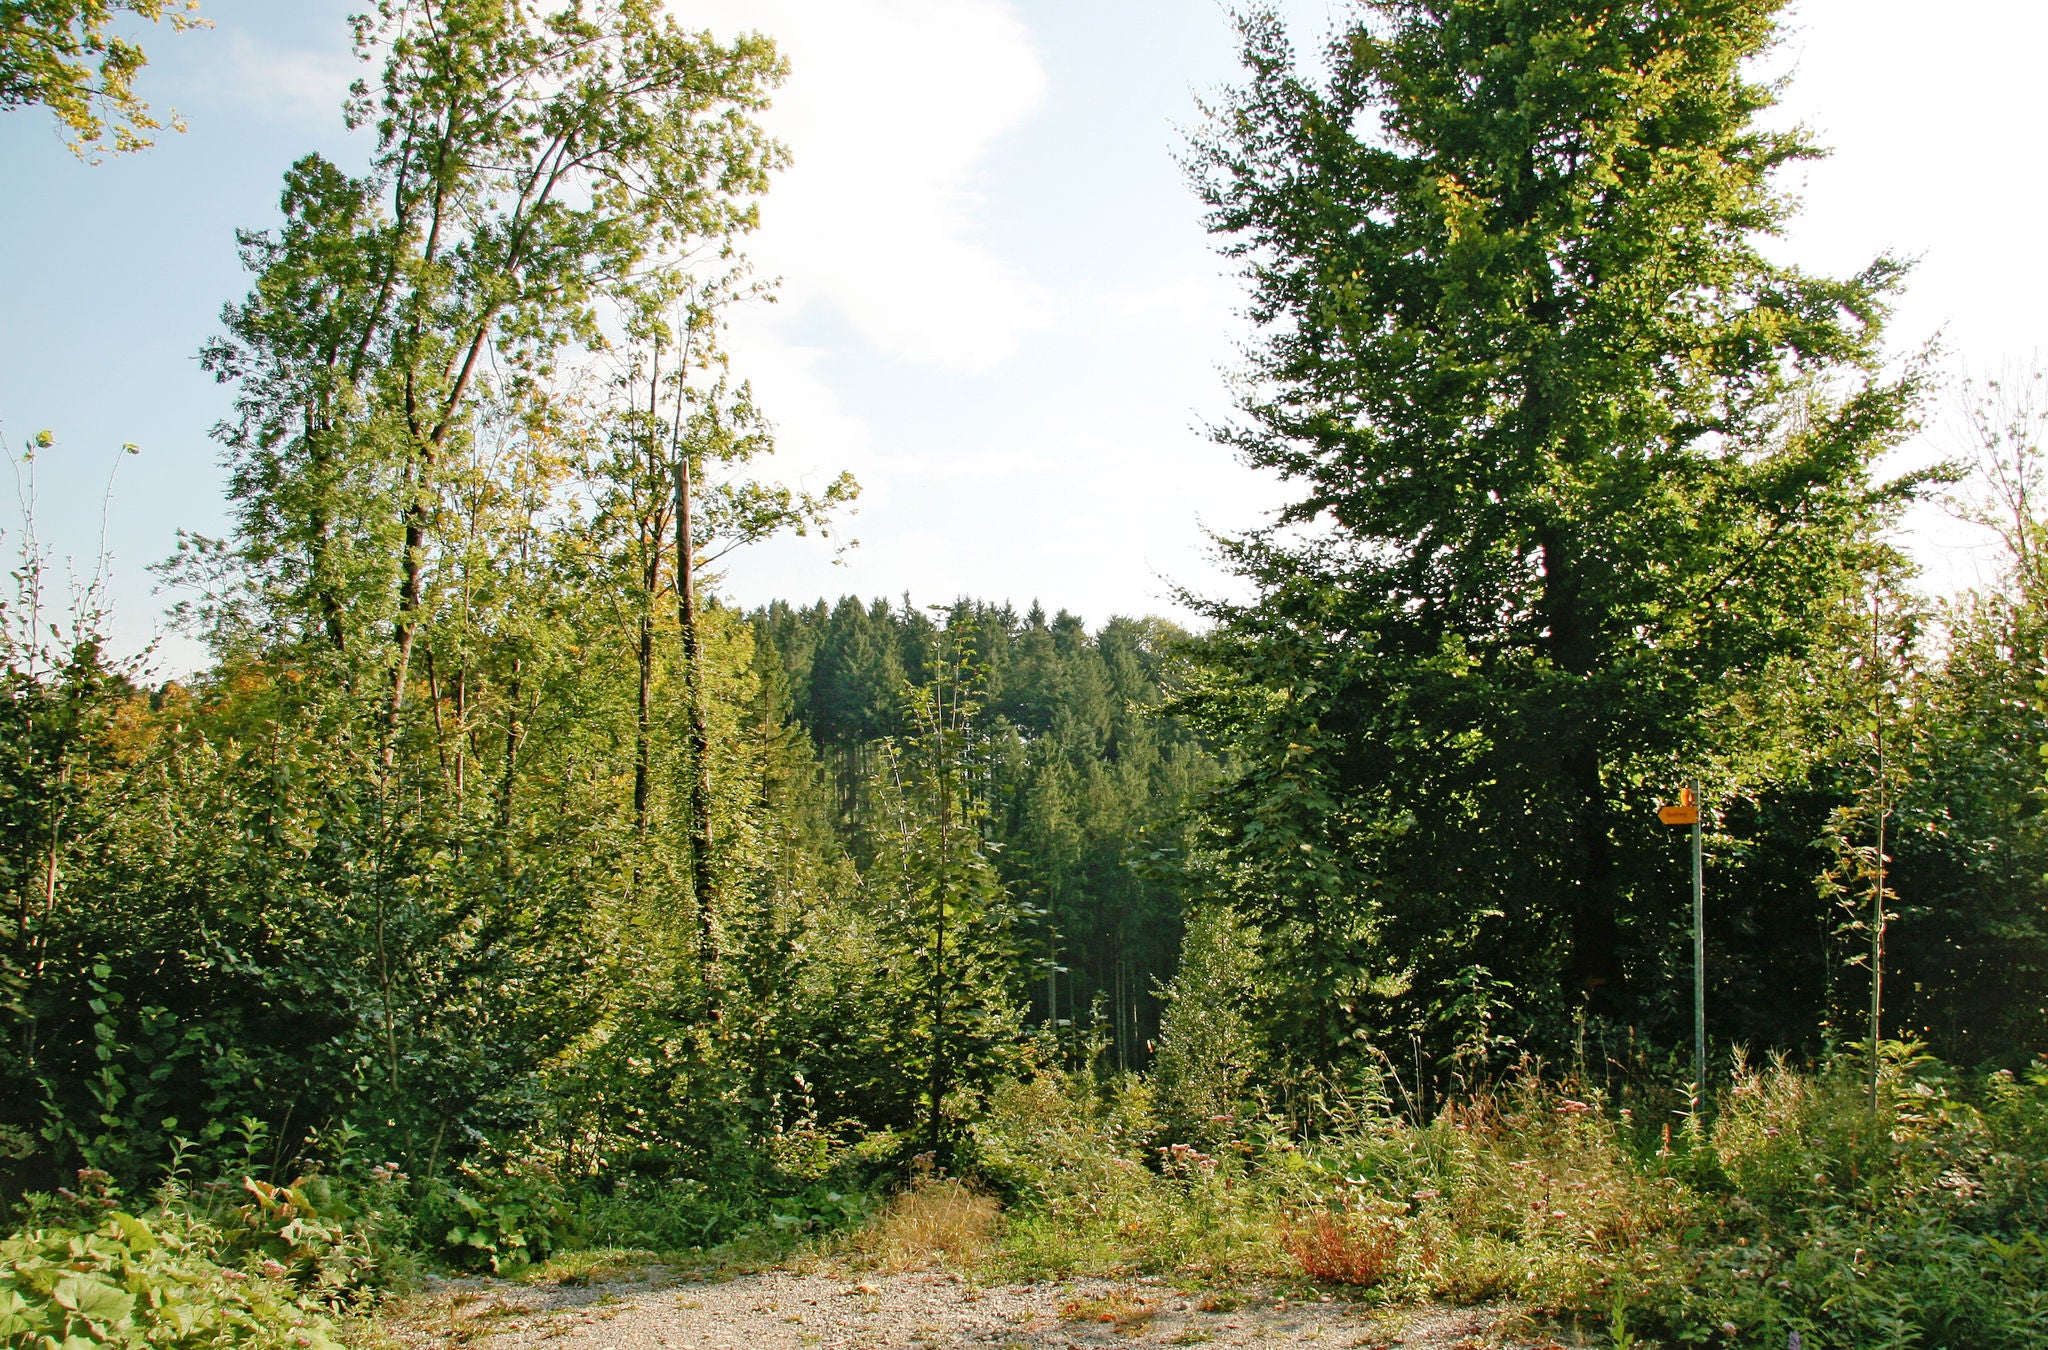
x=92, y=1298
x=140, y=1239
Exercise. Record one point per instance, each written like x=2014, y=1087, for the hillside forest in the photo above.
x=500, y=888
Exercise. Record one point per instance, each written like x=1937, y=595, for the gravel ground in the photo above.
x=834, y=1308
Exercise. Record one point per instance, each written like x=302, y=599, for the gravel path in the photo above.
x=844, y=1309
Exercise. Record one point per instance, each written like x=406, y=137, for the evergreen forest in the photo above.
x=502, y=898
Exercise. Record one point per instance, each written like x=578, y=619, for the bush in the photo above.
x=1797, y=1209
x=1209, y=1052
x=501, y=1221
x=1916, y=1224
x=321, y=1243
x=1089, y=1188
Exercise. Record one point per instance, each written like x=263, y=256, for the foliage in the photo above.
x=502, y=1222
x=67, y=56
x=500, y=896
x=946, y=920
x=1580, y=468
x=148, y=1280
x=308, y=1233
x=1210, y=1052
x=1081, y=776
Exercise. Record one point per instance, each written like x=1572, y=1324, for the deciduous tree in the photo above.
x=1578, y=459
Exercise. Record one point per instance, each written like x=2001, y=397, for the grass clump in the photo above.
x=1345, y=1247
x=937, y=1220
x=1091, y=1189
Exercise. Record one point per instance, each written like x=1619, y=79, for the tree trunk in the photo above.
x=703, y=886
x=939, y=1073
x=515, y=735
x=406, y=625
x=1589, y=890
x=643, y=747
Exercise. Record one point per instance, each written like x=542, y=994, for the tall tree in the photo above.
x=1578, y=461
x=671, y=492
x=533, y=170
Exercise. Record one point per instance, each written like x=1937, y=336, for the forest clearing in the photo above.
x=1572, y=882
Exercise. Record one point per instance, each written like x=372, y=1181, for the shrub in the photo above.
x=307, y=1232
x=1088, y=1186
x=500, y=1221
x=1210, y=1054
x=1344, y=1247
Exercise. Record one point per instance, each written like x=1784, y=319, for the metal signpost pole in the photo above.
x=1699, y=963
x=1687, y=812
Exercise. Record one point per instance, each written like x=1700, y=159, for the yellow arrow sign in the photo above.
x=1687, y=812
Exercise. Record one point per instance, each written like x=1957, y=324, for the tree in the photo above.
x=531, y=174
x=422, y=682
x=951, y=919
x=1579, y=462
x=670, y=473
x=64, y=55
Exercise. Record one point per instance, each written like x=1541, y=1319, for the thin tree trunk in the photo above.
x=649, y=532
x=440, y=729
x=703, y=886
x=515, y=734
x=938, y=1001
x=461, y=731
x=318, y=427
x=406, y=625
x=643, y=741
x=1877, y=914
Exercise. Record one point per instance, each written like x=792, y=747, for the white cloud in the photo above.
x=890, y=109
x=297, y=86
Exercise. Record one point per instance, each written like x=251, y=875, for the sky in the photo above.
x=997, y=304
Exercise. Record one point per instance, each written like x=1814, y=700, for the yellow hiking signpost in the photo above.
x=1687, y=812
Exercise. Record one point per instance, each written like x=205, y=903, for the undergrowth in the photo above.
x=1791, y=1207
x=1795, y=1208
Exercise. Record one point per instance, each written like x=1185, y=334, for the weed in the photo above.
x=1344, y=1247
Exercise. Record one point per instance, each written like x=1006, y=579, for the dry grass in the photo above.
x=939, y=1220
